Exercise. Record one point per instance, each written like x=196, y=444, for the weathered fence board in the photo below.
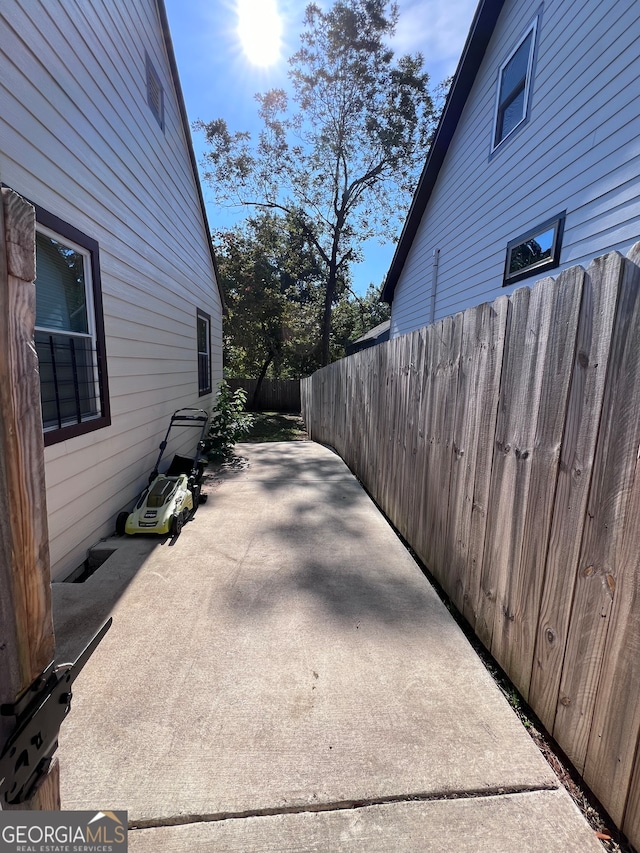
x=503, y=444
x=631, y=825
x=599, y=300
x=552, y=351
x=609, y=763
x=26, y=622
x=509, y=474
x=599, y=562
x=276, y=395
x=486, y=372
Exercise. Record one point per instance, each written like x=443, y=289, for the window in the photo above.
x=203, y=322
x=69, y=333
x=536, y=251
x=514, y=85
x=155, y=92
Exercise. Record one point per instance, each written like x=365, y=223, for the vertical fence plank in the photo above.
x=492, y=347
x=420, y=382
x=462, y=462
x=401, y=465
x=600, y=295
x=23, y=453
x=424, y=457
x=616, y=724
x=413, y=379
x=396, y=425
x=545, y=404
x=631, y=823
x=504, y=504
x=599, y=564
x=476, y=409
x=616, y=718
x=26, y=630
x=276, y=395
x=445, y=343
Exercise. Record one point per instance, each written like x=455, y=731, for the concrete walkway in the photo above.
x=284, y=678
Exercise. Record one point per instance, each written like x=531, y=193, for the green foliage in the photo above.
x=340, y=154
x=353, y=316
x=229, y=423
x=273, y=287
x=270, y=277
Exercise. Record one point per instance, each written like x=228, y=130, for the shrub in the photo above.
x=229, y=422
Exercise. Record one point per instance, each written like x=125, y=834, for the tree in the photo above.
x=353, y=316
x=271, y=279
x=342, y=163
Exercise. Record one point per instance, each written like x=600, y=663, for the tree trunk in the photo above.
x=263, y=373
x=326, y=314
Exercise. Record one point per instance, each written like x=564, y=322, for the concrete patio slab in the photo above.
x=285, y=654
x=529, y=823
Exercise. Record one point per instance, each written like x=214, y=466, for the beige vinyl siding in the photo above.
x=579, y=151
x=79, y=139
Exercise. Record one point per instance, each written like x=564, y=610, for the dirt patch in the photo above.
x=275, y=426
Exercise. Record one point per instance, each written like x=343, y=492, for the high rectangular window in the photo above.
x=514, y=86
x=203, y=323
x=69, y=332
x=155, y=92
x=534, y=252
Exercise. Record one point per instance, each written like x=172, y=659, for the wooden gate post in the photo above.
x=26, y=622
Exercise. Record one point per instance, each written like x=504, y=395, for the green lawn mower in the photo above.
x=171, y=498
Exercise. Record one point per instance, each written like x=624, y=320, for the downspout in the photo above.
x=434, y=284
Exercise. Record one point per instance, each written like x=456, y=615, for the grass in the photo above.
x=275, y=426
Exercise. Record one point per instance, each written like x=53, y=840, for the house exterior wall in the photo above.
x=579, y=152
x=78, y=138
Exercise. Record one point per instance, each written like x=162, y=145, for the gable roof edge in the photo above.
x=480, y=32
x=166, y=32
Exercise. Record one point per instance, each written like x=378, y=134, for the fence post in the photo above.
x=26, y=622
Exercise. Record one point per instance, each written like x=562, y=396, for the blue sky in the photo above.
x=219, y=81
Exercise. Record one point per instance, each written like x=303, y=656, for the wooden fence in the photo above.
x=27, y=643
x=276, y=395
x=503, y=443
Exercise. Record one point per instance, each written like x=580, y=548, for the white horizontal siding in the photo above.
x=78, y=138
x=579, y=151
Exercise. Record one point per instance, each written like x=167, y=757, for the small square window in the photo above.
x=203, y=323
x=514, y=86
x=534, y=252
x=155, y=92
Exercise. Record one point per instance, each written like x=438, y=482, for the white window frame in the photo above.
x=533, y=31
x=206, y=319
x=88, y=283
x=62, y=232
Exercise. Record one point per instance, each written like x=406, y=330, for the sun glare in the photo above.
x=260, y=31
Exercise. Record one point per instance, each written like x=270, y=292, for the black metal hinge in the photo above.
x=27, y=753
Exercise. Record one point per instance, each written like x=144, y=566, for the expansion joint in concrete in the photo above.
x=341, y=805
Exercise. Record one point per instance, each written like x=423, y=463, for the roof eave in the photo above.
x=187, y=132
x=482, y=27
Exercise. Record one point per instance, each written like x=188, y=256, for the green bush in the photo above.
x=229, y=422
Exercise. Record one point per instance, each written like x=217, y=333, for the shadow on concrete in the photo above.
x=79, y=609
x=275, y=462
x=344, y=594
x=319, y=543
x=326, y=541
